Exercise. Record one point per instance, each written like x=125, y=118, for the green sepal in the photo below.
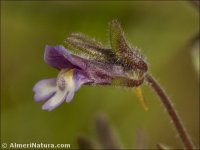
x=81, y=44
x=117, y=39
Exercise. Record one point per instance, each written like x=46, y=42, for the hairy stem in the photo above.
x=171, y=111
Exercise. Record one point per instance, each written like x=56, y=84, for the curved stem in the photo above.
x=171, y=111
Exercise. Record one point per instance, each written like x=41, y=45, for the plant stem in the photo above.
x=84, y=143
x=171, y=111
x=106, y=135
x=162, y=147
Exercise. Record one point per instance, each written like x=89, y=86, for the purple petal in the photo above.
x=60, y=58
x=57, y=57
x=79, y=78
x=44, y=89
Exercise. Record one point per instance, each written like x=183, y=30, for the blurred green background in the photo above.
x=160, y=29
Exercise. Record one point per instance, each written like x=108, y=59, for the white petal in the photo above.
x=70, y=96
x=44, y=89
x=55, y=100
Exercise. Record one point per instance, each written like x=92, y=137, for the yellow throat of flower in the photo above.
x=65, y=78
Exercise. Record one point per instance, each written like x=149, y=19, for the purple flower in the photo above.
x=98, y=66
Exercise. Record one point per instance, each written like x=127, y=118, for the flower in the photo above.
x=68, y=81
x=97, y=65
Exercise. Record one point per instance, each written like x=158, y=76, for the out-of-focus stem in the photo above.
x=162, y=147
x=84, y=143
x=196, y=3
x=140, y=140
x=171, y=111
x=106, y=136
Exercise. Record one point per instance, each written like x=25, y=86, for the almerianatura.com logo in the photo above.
x=34, y=146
